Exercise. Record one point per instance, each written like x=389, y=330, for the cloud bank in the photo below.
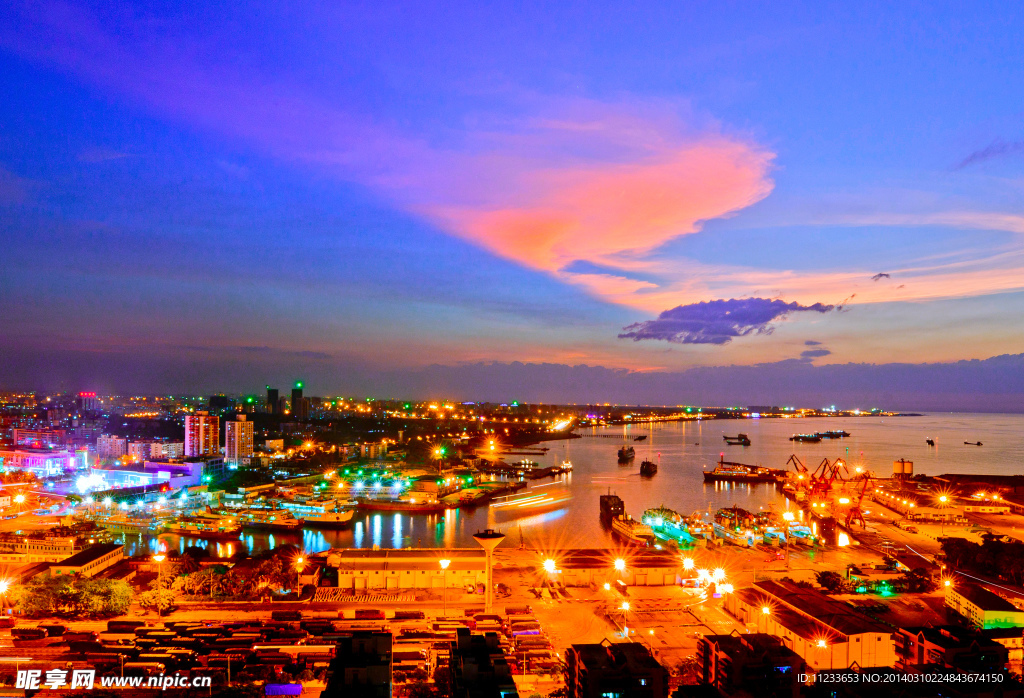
x=717, y=322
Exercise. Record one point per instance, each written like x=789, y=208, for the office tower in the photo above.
x=237, y=439
x=300, y=408
x=202, y=435
x=273, y=400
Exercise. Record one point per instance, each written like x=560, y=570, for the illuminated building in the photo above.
x=88, y=402
x=238, y=440
x=202, y=435
x=108, y=446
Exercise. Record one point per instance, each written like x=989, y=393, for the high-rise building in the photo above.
x=88, y=402
x=108, y=446
x=237, y=440
x=273, y=399
x=300, y=408
x=202, y=435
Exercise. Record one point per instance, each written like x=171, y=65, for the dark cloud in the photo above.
x=812, y=343
x=880, y=276
x=814, y=354
x=716, y=322
x=996, y=149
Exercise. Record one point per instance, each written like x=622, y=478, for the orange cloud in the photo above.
x=599, y=211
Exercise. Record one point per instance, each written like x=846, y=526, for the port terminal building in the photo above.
x=827, y=634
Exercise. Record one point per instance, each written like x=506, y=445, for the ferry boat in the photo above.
x=626, y=454
x=833, y=434
x=612, y=506
x=632, y=531
x=329, y=519
x=727, y=471
x=806, y=438
x=738, y=440
x=224, y=529
x=412, y=506
x=648, y=468
x=265, y=519
x=119, y=523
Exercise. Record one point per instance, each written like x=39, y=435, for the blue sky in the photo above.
x=400, y=185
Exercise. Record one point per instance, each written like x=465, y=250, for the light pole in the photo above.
x=444, y=585
x=625, y=628
x=4, y=585
x=788, y=517
x=159, y=559
x=300, y=562
x=942, y=522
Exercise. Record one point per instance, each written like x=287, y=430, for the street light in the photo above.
x=942, y=522
x=159, y=559
x=620, y=564
x=688, y=563
x=788, y=517
x=549, y=566
x=444, y=585
x=300, y=563
x=718, y=575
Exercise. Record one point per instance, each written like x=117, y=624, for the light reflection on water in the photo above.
x=684, y=449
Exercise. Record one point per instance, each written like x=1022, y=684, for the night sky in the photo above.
x=213, y=196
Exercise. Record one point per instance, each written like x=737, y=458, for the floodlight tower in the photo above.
x=489, y=540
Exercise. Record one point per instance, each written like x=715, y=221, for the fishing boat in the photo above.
x=930, y=442
x=329, y=519
x=738, y=440
x=972, y=443
x=648, y=468
x=632, y=531
x=806, y=438
x=727, y=471
x=833, y=434
x=626, y=454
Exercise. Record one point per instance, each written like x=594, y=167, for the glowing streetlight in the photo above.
x=444, y=585
x=688, y=563
x=766, y=611
x=948, y=583
x=19, y=499
x=624, y=606
x=607, y=586
x=620, y=564
x=822, y=644
x=718, y=575
x=159, y=560
x=549, y=566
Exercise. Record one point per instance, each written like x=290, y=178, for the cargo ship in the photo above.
x=833, y=434
x=738, y=440
x=806, y=438
x=727, y=471
x=626, y=454
x=632, y=531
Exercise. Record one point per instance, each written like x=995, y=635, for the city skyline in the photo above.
x=688, y=205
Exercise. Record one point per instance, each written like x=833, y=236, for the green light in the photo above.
x=298, y=384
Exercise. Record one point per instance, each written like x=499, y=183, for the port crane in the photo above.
x=855, y=512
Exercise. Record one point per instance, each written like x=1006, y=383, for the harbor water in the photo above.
x=563, y=511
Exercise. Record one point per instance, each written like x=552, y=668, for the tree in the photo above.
x=832, y=582
x=918, y=581
x=73, y=596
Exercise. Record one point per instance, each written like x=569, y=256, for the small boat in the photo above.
x=626, y=454
x=806, y=438
x=611, y=506
x=930, y=442
x=833, y=434
x=640, y=438
x=632, y=531
x=972, y=443
x=648, y=468
x=738, y=440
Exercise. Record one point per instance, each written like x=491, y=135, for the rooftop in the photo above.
x=983, y=598
x=836, y=615
x=89, y=554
